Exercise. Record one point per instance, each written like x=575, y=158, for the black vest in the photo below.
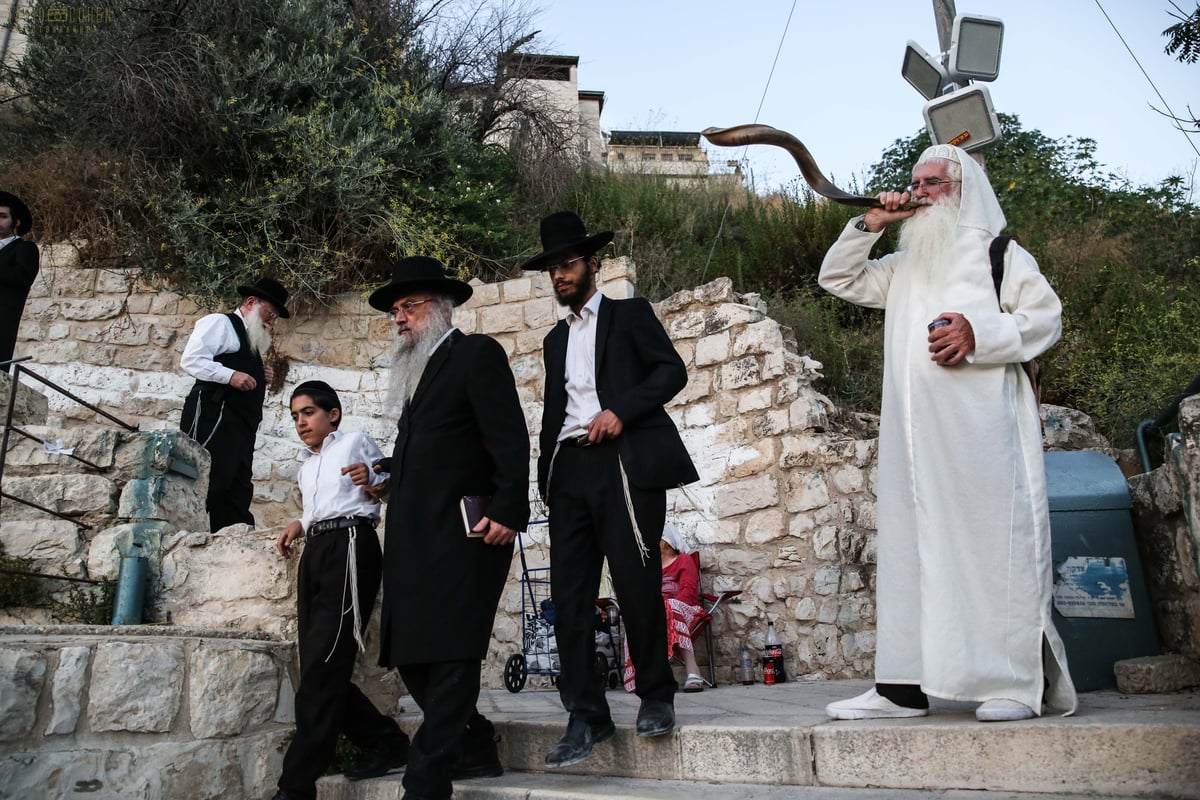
x=235, y=409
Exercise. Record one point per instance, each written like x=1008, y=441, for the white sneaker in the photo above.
x=1002, y=710
x=871, y=705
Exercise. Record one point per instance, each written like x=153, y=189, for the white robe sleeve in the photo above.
x=1031, y=320
x=848, y=273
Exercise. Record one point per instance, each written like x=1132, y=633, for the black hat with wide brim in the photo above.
x=563, y=232
x=19, y=211
x=268, y=289
x=419, y=274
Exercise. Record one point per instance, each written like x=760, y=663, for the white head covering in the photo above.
x=671, y=536
x=978, y=207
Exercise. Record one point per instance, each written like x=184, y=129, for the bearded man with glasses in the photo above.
x=964, y=575
x=225, y=356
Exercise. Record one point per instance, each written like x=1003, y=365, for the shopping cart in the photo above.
x=539, y=650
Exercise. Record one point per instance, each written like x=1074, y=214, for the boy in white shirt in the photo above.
x=337, y=583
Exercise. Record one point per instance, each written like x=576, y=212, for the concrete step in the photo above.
x=778, y=736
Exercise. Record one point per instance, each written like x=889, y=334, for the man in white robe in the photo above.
x=964, y=573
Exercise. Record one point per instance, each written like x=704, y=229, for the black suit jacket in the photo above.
x=18, y=269
x=637, y=372
x=464, y=434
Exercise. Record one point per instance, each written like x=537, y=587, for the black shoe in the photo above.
x=384, y=758
x=478, y=762
x=655, y=718
x=576, y=744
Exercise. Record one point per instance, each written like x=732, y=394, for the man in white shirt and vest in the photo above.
x=225, y=356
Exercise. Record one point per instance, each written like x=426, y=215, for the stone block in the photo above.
x=739, y=497
x=1157, y=674
x=516, y=290
x=541, y=313
x=72, y=495
x=91, y=309
x=734, y=562
x=751, y=459
x=230, y=690
x=763, y=337
x=712, y=349
x=687, y=325
x=805, y=491
x=765, y=526
x=483, y=294
x=739, y=373
x=31, y=405
x=135, y=687
x=466, y=319
x=754, y=400
x=22, y=672
x=47, y=541
x=779, y=757
x=66, y=694
x=719, y=290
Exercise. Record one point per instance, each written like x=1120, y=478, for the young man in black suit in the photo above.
x=609, y=452
x=18, y=268
x=461, y=432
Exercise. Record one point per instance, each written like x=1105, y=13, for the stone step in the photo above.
x=1116, y=746
x=542, y=786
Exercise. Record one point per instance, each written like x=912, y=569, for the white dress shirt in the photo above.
x=9, y=240
x=583, y=404
x=328, y=493
x=213, y=336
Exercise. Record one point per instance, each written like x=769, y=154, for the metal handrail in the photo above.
x=14, y=375
x=1158, y=424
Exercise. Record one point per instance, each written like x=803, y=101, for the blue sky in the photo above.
x=672, y=65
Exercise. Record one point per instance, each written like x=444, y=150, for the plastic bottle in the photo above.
x=772, y=657
x=772, y=637
x=747, y=667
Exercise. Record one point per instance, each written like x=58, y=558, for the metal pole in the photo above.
x=943, y=15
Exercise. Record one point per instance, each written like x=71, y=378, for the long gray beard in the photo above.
x=258, y=333
x=409, y=362
x=927, y=238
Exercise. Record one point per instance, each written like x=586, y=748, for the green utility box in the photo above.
x=1101, y=608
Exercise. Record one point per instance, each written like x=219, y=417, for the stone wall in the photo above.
x=783, y=511
x=141, y=712
x=1167, y=522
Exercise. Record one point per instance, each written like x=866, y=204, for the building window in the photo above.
x=647, y=156
x=667, y=157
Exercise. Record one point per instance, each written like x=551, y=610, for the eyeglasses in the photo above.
x=566, y=264
x=407, y=306
x=267, y=314
x=930, y=184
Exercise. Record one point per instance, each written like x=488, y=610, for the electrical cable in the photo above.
x=1174, y=117
x=761, y=100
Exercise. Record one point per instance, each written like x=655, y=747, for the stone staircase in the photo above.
x=776, y=742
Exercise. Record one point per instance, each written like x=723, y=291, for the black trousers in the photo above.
x=326, y=701
x=589, y=522
x=447, y=692
x=231, y=445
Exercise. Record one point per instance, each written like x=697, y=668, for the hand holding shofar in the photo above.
x=739, y=135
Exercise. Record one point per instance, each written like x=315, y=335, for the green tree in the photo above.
x=281, y=137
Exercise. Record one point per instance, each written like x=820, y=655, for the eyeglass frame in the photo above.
x=567, y=264
x=407, y=306
x=929, y=184
x=268, y=310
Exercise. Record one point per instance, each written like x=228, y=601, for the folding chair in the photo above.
x=710, y=603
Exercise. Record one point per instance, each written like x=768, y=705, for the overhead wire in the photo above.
x=1174, y=117
x=761, y=100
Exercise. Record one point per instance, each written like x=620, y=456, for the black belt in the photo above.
x=337, y=524
x=577, y=441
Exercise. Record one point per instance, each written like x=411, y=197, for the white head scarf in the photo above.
x=671, y=536
x=978, y=207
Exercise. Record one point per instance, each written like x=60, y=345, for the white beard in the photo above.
x=258, y=333
x=927, y=237
x=410, y=355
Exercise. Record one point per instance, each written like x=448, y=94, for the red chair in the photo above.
x=711, y=603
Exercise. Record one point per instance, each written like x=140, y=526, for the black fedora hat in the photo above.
x=415, y=274
x=563, y=231
x=268, y=289
x=20, y=212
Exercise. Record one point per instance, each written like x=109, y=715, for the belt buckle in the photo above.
x=582, y=441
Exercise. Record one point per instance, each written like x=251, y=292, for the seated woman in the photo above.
x=681, y=596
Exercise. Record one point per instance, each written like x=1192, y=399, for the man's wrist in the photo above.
x=861, y=224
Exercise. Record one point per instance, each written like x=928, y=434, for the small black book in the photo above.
x=474, y=508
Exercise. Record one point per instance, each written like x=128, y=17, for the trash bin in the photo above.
x=1101, y=607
